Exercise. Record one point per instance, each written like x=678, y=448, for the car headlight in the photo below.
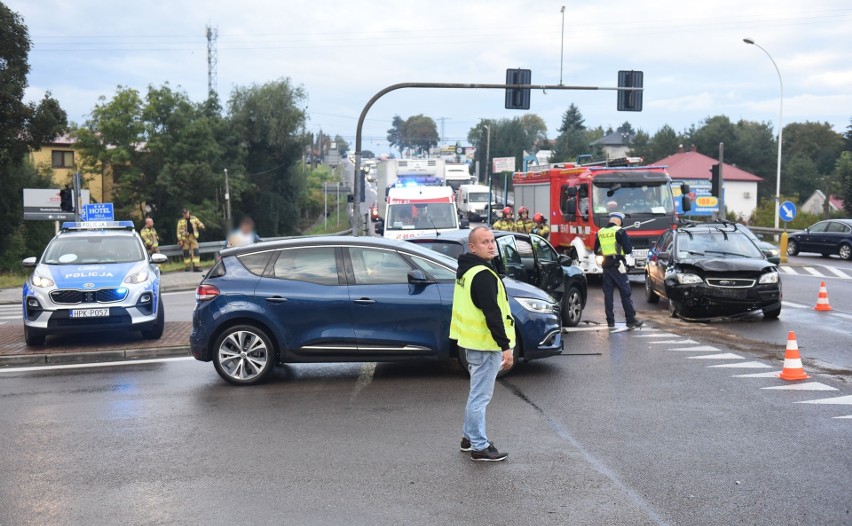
x=534, y=305
x=769, y=277
x=41, y=281
x=689, y=279
x=139, y=277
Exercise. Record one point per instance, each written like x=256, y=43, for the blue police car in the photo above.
x=93, y=276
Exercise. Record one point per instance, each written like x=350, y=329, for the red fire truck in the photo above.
x=578, y=198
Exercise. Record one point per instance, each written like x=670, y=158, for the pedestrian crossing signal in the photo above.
x=66, y=200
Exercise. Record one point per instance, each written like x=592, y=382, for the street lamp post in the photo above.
x=562, y=47
x=488, y=167
x=780, y=129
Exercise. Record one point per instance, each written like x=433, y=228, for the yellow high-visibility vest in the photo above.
x=609, y=247
x=468, y=325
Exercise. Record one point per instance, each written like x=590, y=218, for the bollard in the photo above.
x=783, y=247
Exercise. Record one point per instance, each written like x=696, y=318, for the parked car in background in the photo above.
x=528, y=258
x=830, y=237
x=343, y=299
x=711, y=270
x=772, y=253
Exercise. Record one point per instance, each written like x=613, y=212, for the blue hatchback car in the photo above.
x=343, y=299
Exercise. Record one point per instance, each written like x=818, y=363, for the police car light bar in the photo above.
x=98, y=225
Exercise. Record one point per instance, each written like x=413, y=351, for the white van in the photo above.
x=413, y=210
x=472, y=202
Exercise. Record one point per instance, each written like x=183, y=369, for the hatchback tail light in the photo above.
x=206, y=292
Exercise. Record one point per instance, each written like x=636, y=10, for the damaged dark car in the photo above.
x=710, y=271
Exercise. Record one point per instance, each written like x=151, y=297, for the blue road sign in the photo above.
x=787, y=211
x=97, y=212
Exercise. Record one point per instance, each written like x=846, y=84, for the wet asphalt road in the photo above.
x=621, y=430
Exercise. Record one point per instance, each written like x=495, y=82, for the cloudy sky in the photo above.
x=342, y=52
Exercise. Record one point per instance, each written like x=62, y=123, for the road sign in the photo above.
x=97, y=212
x=703, y=202
x=503, y=164
x=787, y=211
x=43, y=204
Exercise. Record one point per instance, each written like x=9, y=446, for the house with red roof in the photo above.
x=740, y=186
x=816, y=202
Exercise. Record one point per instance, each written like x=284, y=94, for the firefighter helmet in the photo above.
x=538, y=218
x=523, y=210
x=507, y=212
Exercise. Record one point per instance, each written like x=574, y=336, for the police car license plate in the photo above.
x=89, y=313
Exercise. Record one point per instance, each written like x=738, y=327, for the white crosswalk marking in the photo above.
x=812, y=271
x=788, y=270
x=818, y=271
x=839, y=273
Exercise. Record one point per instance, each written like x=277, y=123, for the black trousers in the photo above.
x=613, y=279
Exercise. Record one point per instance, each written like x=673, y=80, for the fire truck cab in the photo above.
x=577, y=199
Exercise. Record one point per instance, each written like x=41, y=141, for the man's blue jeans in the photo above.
x=483, y=367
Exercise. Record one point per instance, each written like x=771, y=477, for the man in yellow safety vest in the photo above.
x=483, y=326
x=613, y=244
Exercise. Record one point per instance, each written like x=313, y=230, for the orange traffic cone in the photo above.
x=793, y=369
x=822, y=298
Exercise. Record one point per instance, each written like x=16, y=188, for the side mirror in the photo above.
x=684, y=188
x=571, y=191
x=807, y=230
x=29, y=262
x=686, y=203
x=159, y=258
x=379, y=227
x=418, y=277
x=775, y=260
x=464, y=200
x=464, y=223
x=565, y=261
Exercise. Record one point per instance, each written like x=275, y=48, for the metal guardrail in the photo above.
x=212, y=247
x=773, y=231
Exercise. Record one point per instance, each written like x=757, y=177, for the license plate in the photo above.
x=640, y=254
x=89, y=313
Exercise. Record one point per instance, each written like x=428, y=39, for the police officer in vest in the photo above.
x=613, y=244
x=483, y=326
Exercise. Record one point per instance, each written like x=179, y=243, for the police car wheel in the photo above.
x=243, y=355
x=156, y=330
x=33, y=338
x=572, y=308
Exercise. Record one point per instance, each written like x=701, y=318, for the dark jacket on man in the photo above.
x=622, y=239
x=483, y=293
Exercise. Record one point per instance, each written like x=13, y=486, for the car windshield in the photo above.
x=633, y=199
x=77, y=250
x=716, y=244
x=420, y=216
x=478, y=197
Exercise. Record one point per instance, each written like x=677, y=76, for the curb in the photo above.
x=93, y=356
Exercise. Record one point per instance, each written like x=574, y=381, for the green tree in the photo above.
x=23, y=126
x=800, y=177
x=572, y=140
x=396, y=134
x=421, y=132
x=843, y=172
x=509, y=137
x=341, y=144
x=816, y=140
x=268, y=119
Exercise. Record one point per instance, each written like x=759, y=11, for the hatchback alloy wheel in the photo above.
x=243, y=355
x=572, y=307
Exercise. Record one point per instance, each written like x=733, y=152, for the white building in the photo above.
x=815, y=203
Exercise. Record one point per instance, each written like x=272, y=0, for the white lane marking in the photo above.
x=813, y=272
x=840, y=400
x=744, y=365
x=99, y=364
x=658, y=335
x=700, y=348
x=837, y=272
x=11, y=317
x=722, y=356
x=841, y=315
x=788, y=270
x=795, y=305
x=847, y=416
x=364, y=379
x=675, y=342
x=585, y=329
x=807, y=386
x=771, y=374
x=622, y=329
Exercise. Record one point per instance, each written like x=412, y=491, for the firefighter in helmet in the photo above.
x=524, y=224
x=188, y=229
x=540, y=228
x=506, y=222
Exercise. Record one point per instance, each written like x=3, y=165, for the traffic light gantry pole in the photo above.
x=356, y=179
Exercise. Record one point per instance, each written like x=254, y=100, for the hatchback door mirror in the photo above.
x=418, y=277
x=565, y=261
x=464, y=223
x=159, y=258
x=29, y=262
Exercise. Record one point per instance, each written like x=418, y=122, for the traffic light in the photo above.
x=518, y=99
x=630, y=100
x=66, y=200
x=715, y=180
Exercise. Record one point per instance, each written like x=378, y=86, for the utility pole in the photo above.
x=212, y=60
x=227, y=202
x=562, y=48
x=442, y=119
x=722, y=214
x=488, y=170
